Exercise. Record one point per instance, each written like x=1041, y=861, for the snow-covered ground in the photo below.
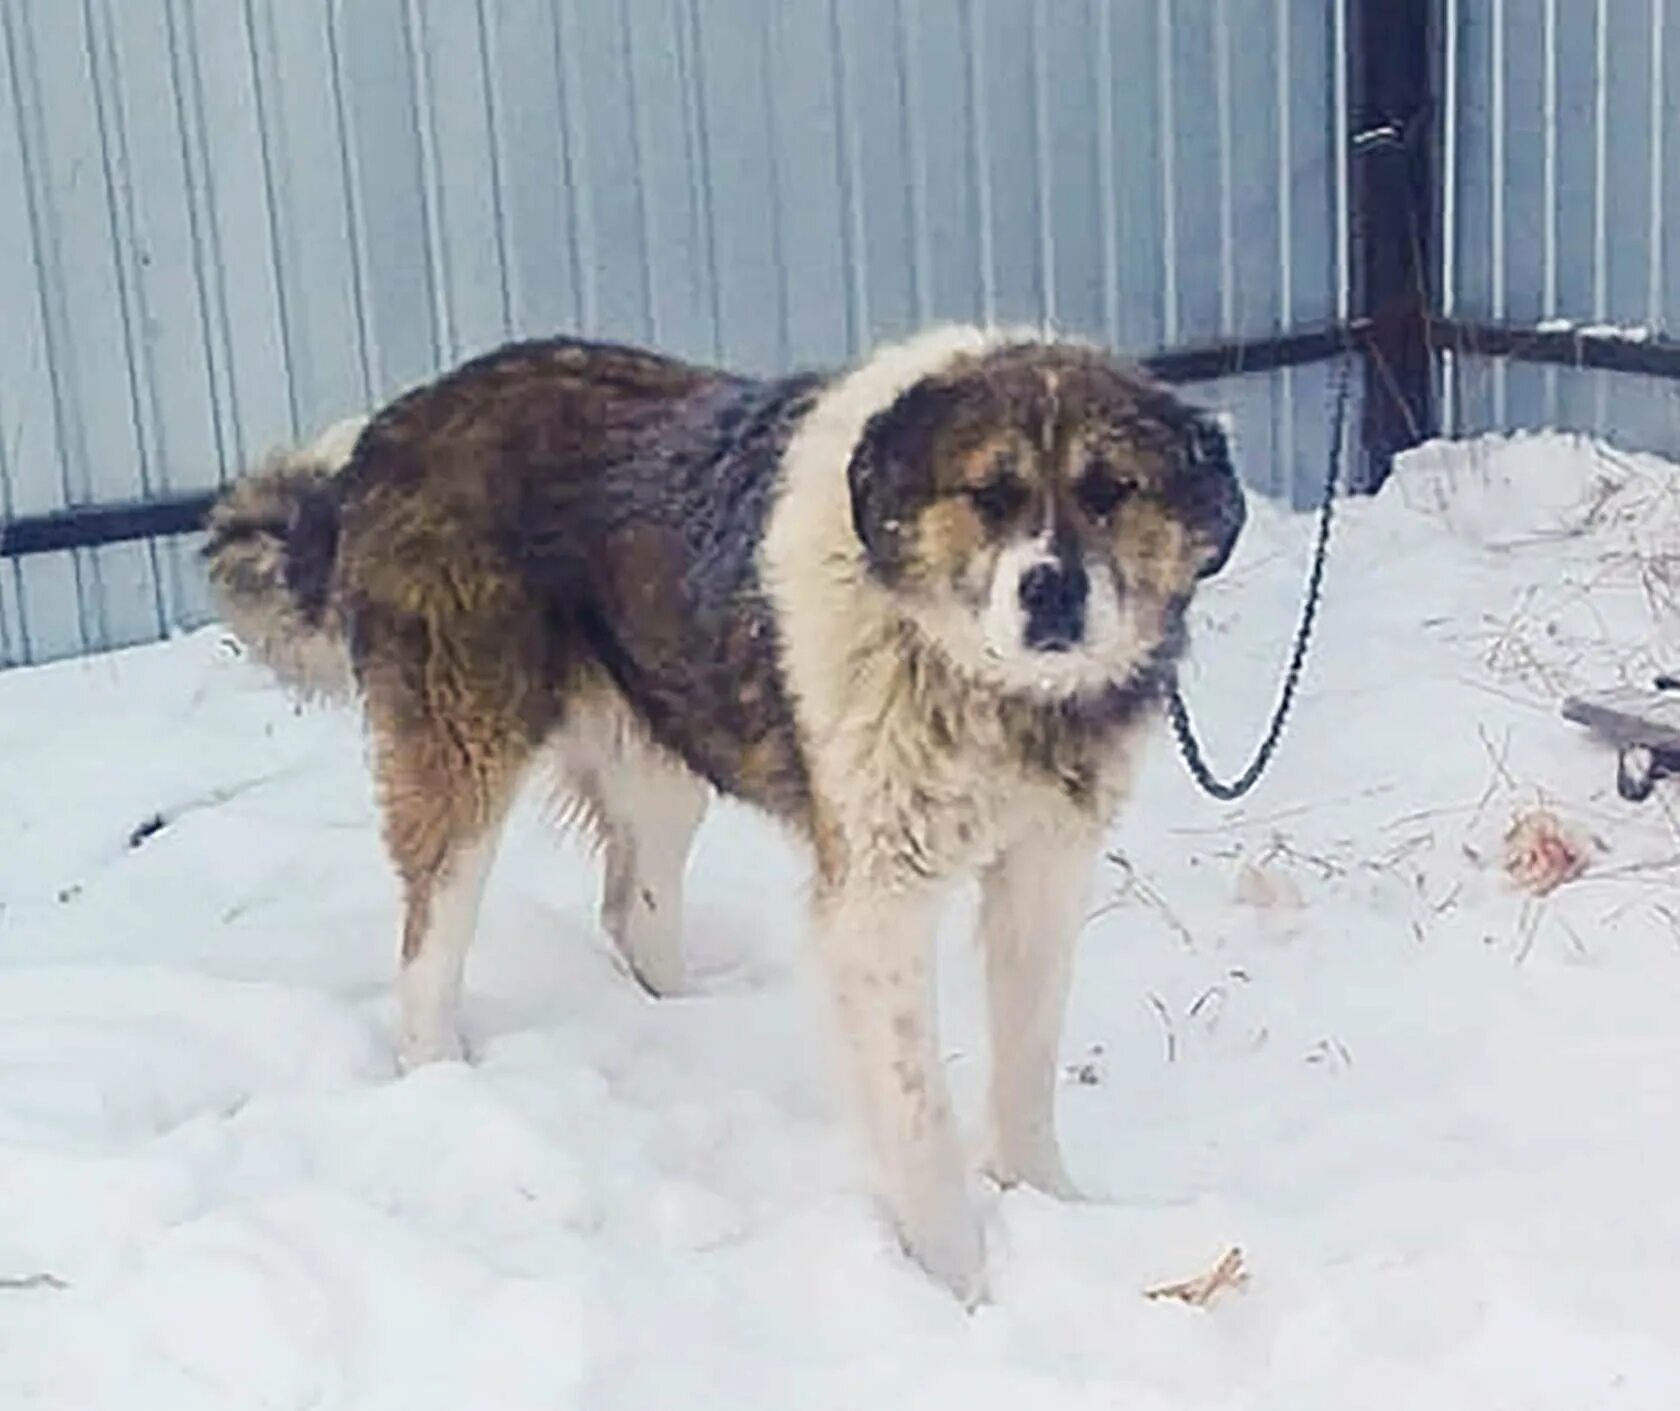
x=1438, y=1115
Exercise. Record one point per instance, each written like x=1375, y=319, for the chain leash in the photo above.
x=1179, y=713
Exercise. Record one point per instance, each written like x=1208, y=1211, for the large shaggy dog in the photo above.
x=920, y=611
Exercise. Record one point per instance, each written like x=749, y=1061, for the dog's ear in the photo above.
x=1217, y=507
x=892, y=474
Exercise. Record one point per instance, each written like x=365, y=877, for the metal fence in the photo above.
x=1560, y=216
x=225, y=222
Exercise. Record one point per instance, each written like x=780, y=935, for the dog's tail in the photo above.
x=273, y=541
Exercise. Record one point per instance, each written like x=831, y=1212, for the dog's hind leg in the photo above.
x=644, y=807
x=448, y=755
x=441, y=915
x=650, y=808
x=1032, y=903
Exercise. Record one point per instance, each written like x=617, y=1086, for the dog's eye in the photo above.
x=1101, y=493
x=998, y=498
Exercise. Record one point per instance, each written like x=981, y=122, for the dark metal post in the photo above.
x=1393, y=195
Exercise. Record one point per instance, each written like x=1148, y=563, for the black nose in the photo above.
x=1053, y=596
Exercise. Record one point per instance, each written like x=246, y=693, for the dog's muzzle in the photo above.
x=1053, y=597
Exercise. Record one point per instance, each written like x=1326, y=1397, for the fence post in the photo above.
x=1393, y=190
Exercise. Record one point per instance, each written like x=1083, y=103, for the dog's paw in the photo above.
x=951, y=1248
x=1042, y=1170
x=655, y=977
x=415, y=1050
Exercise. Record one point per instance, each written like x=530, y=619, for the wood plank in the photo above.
x=1630, y=716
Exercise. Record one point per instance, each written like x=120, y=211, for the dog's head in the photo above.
x=1043, y=513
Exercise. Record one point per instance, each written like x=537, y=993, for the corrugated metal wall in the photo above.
x=1562, y=168
x=225, y=222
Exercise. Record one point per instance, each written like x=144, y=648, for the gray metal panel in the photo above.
x=1252, y=167
x=726, y=247
x=49, y=589
x=1665, y=50
x=1318, y=258
x=1530, y=227
x=1132, y=79
x=13, y=645
x=460, y=177
x=598, y=38
x=1004, y=38
x=28, y=438
x=375, y=59
x=170, y=328
x=684, y=82
x=1283, y=428
x=815, y=294
x=1649, y=420
x=537, y=193
x=329, y=355
x=1566, y=201
x=956, y=263
x=1627, y=240
x=225, y=223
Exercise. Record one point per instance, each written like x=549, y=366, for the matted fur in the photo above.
x=249, y=556
x=645, y=577
x=902, y=799
x=924, y=771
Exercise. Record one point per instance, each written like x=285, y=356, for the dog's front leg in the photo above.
x=877, y=947
x=1032, y=903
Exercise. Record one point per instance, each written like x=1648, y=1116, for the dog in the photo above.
x=922, y=611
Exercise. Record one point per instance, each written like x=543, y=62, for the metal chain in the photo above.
x=1179, y=713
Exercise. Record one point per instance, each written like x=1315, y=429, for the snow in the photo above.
x=1436, y=1114
x=1627, y=333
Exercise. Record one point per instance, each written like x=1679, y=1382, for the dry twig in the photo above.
x=1145, y=892
x=1228, y=1273
x=32, y=1281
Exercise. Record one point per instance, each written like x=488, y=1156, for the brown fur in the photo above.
x=655, y=574
x=257, y=534
x=1049, y=435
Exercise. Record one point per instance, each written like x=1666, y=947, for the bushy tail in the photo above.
x=273, y=540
